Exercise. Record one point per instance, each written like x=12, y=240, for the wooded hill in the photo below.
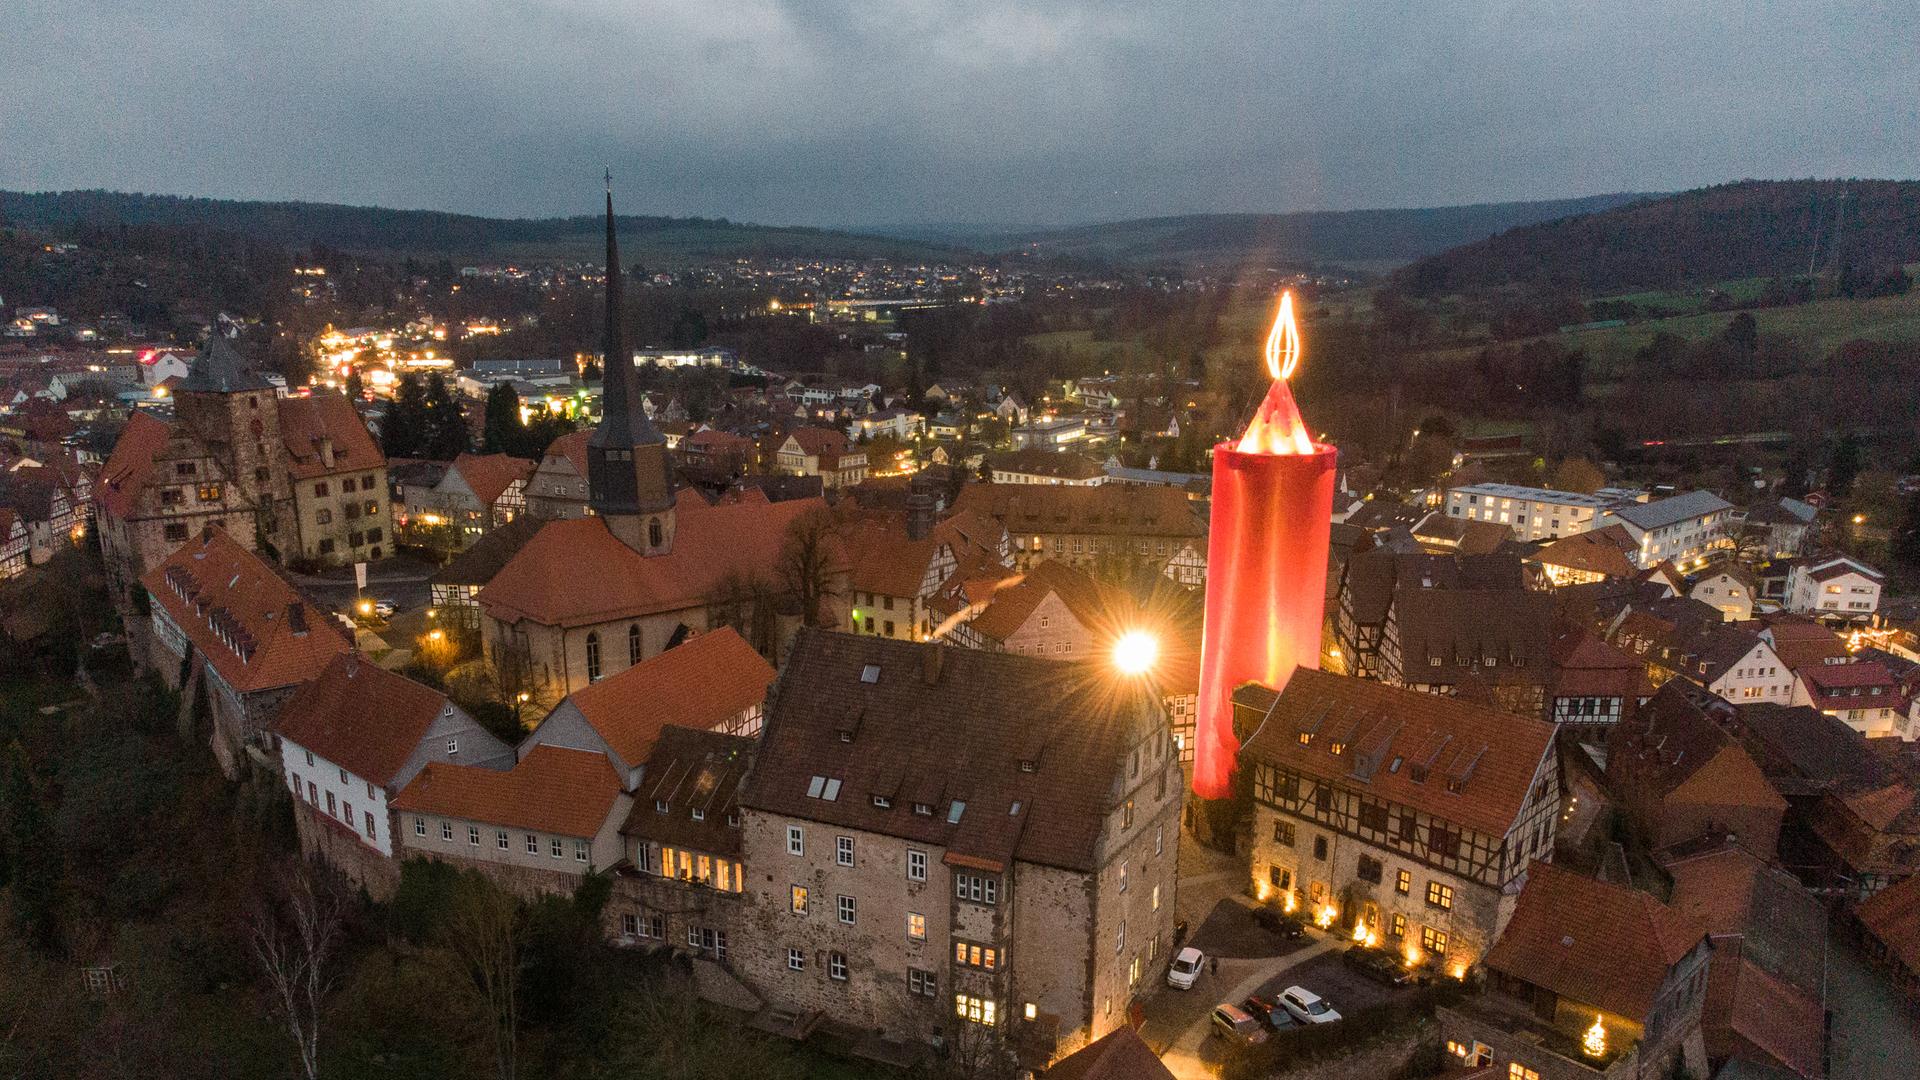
x=1349, y=238
x=1754, y=228
x=432, y=234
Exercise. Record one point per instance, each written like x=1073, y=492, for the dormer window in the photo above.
x=1336, y=748
x=923, y=809
x=881, y=802
x=659, y=806
x=699, y=814
x=1028, y=765
x=1306, y=738
x=733, y=821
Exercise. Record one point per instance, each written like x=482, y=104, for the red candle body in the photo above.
x=1266, y=588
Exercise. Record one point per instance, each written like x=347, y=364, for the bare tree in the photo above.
x=811, y=562
x=482, y=938
x=746, y=603
x=293, y=933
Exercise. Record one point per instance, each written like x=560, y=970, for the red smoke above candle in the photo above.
x=1266, y=560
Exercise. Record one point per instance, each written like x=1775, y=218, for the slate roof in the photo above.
x=1456, y=760
x=220, y=370
x=702, y=682
x=479, y=564
x=692, y=770
x=256, y=630
x=950, y=729
x=1669, y=511
x=1600, y=945
x=305, y=421
x=361, y=717
x=551, y=790
x=544, y=583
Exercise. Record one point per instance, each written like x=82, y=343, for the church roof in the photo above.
x=220, y=370
x=577, y=573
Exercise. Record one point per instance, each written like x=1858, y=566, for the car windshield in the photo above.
x=1185, y=965
x=1315, y=1007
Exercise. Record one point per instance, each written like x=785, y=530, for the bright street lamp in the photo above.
x=1136, y=652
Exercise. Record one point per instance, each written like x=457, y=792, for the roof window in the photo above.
x=954, y=810
x=824, y=788
x=870, y=674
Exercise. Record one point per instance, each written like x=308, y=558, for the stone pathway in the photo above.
x=1242, y=977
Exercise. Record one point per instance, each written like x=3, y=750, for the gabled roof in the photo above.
x=220, y=370
x=1893, y=916
x=1372, y=576
x=1800, y=642
x=1502, y=634
x=1600, y=945
x=256, y=630
x=1467, y=536
x=1459, y=761
x=306, y=421
x=544, y=582
x=131, y=463
x=489, y=475
x=1118, y=1055
x=1747, y=1004
x=1839, y=566
x=1674, y=745
x=692, y=770
x=1036, y=461
x=493, y=550
x=1584, y=665
x=818, y=440
x=950, y=729
x=1670, y=511
x=570, y=448
x=551, y=790
x=700, y=683
x=1012, y=605
x=361, y=717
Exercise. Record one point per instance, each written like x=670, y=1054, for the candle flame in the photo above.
x=1277, y=427
x=1283, y=341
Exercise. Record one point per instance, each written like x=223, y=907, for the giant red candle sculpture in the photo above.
x=1266, y=560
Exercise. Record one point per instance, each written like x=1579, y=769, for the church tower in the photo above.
x=629, y=479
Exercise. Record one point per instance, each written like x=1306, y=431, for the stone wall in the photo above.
x=341, y=849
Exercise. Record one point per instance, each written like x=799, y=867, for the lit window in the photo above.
x=1440, y=896
x=916, y=926
x=797, y=902
x=1434, y=941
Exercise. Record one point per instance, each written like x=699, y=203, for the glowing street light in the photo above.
x=435, y=635
x=1136, y=652
x=366, y=607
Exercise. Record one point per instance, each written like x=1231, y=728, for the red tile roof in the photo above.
x=131, y=462
x=1493, y=755
x=572, y=448
x=1105, y=510
x=1013, y=604
x=256, y=630
x=305, y=421
x=1584, y=665
x=1601, y=551
x=1600, y=945
x=576, y=573
x=1744, y=1002
x=489, y=475
x=551, y=790
x=703, y=682
x=365, y=719
x=1893, y=916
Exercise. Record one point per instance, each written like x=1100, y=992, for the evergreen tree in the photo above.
x=1844, y=465
x=403, y=432
x=356, y=389
x=503, y=433
x=1906, y=539
x=445, y=429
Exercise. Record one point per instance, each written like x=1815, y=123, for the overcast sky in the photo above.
x=890, y=111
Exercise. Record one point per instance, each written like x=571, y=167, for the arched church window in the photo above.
x=593, y=656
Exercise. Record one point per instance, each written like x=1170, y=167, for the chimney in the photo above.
x=932, y=659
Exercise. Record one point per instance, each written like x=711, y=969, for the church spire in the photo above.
x=628, y=475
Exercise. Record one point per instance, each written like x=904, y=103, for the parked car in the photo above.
x=1275, y=921
x=1378, y=964
x=1235, y=1025
x=1270, y=1012
x=384, y=608
x=1185, y=969
x=1307, y=1006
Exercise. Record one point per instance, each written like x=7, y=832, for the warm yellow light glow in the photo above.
x=435, y=635
x=1595, y=1040
x=524, y=696
x=1859, y=519
x=1136, y=652
x=1413, y=954
x=1291, y=903
x=1460, y=970
x=1326, y=917
x=430, y=519
x=366, y=607
x=1283, y=341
